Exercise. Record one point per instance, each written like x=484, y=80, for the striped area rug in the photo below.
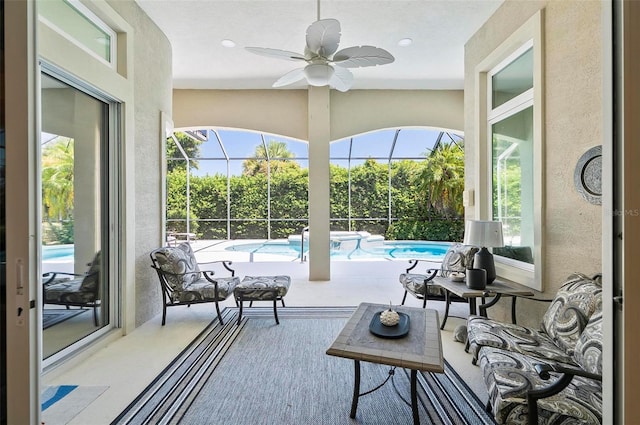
x=263, y=373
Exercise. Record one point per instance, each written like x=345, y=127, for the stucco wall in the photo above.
x=285, y=112
x=572, y=124
x=152, y=82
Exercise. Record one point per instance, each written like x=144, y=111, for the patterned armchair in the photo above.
x=547, y=376
x=183, y=282
x=458, y=258
x=74, y=290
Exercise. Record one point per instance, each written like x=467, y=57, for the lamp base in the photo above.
x=484, y=260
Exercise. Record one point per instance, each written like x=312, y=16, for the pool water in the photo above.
x=57, y=253
x=388, y=250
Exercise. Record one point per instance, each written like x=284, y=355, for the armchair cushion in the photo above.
x=416, y=283
x=203, y=289
x=180, y=266
x=565, y=319
x=458, y=258
x=508, y=376
x=492, y=333
x=588, y=352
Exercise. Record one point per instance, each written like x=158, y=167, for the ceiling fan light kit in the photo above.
x=318, y=74
x=325, y=64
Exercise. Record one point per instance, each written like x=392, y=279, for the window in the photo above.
x=79, y=25
x=511, y=144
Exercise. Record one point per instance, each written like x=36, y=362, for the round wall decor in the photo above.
x=588, y=175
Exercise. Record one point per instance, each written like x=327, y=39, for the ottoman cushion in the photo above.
x=262, y=287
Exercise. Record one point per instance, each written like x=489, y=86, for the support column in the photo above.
x=319, y=200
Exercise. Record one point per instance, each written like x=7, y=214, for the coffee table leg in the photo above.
x=356, y=389
x=414, y=397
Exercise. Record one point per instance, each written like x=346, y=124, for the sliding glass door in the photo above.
x=75, y=214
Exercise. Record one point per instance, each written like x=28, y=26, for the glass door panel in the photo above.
x=74, y=214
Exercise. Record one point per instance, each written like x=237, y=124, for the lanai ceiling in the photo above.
x=435, y=59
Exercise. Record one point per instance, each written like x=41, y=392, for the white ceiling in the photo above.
x=439, y=29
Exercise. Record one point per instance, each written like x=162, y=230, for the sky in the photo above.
x=411, y=143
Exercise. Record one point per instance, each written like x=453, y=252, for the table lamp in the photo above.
x=484, y=234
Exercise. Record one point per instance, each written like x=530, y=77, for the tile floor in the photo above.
x=128, y=364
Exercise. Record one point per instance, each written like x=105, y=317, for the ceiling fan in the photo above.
x=325, y=64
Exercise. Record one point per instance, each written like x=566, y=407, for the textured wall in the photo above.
x=573, y=124
x=152, y=94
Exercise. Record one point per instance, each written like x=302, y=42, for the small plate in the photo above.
x=457, y=277
x=398, y=331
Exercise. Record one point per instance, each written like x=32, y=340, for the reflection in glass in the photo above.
x=513, y=80
x=513, y=184
x=75, y=295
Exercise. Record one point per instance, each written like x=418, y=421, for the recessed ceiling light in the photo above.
x=405, y=42
x=228, y=43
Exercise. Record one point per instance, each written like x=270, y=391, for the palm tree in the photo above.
x=57, y=178
x=279, y=156
x=442, y=179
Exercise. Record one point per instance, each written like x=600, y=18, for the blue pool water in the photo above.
x=388, y=250
x=57, y=253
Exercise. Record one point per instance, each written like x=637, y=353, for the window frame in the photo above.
x=529, y=35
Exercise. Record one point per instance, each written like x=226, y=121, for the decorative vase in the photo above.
x=389, y=318
x=476, y=279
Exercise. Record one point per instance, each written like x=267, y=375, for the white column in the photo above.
x=319, y=137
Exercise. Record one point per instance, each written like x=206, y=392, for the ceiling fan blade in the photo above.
x=361, y=56
x=342, y=79
x=290, y=78
x=276, y=53
x=323, y=37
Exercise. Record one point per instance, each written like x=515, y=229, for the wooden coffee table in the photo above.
x=420, y=349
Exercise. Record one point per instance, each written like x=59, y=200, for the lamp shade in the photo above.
x=318, y=74
x=484, y=233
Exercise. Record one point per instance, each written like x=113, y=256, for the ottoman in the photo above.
x=262, y=288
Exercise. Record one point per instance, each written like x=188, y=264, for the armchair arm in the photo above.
x=513, y=304
x=225, y=263
x=51, y=276
x=543, y=370
x=414, y=262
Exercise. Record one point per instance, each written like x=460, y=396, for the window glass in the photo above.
x=75, y=214
x=513, y=183
x=513, y=80
x=66, y=17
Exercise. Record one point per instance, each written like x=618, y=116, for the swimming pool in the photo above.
x=387, y=250
x=57, y=253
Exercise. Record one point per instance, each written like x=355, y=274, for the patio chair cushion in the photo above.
x=459, y=258
x=588, y=351
x=565, y=319
x=259, y=288
x=180, y=266
x=202, y=290
x=416, y=283
x=508, y=376
x=507, y=336
x=68, y=292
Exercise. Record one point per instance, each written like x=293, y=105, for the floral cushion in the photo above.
x=258, y=288
x=491, y=333
x=416, y=284
x=202, y=290
x=68, y=292
x=588, y=352
x=91, y=281
x=458, y=258
x=180, y=266
x=509, y=375
x=565, y=319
